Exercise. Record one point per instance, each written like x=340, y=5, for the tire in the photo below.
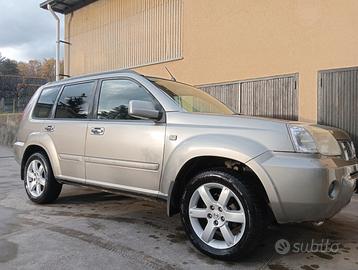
x=40, y=184
x=242, y=213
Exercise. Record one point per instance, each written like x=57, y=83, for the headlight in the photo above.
x=354, y=154
x=302, y=140
x=310, y=139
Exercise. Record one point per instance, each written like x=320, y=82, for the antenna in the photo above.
x=171, y=75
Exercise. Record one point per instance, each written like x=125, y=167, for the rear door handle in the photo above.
x=97, y=131
x=50, y=128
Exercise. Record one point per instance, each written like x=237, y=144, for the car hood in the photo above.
x=273, y=133
x=229, y=121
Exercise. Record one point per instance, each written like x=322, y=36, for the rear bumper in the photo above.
x=18, y=151
x=302, y=182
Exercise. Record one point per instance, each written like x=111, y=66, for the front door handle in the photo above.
x=50, y=128
x=97, y=131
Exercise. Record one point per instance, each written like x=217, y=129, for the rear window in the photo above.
x=74, y=101
x=45, y=102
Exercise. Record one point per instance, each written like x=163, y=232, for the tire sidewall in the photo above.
x=240, y=191
x=48, y=176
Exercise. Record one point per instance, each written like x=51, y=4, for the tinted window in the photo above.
x=73, y=102
x=45, y=102
x=115, y=96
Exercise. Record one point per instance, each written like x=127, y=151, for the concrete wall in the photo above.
x=241, y=39
x=9, y=124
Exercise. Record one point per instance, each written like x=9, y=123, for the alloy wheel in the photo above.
x=217, y=215
x=36, y=178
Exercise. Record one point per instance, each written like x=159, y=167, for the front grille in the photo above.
x=348, y=150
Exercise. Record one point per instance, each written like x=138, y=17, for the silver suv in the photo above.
x=228, y=175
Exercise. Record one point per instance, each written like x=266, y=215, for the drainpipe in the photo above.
x=57, y=41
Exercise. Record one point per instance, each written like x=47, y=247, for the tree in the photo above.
x=7, y=66
x=48, y=69
x=30, y=69
x=42, y=69
x=1, y=58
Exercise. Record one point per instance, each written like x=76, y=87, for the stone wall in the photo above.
x=9, y=124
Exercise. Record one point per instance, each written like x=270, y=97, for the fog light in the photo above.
x=333, y=189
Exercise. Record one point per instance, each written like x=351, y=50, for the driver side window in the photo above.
x=115, y=96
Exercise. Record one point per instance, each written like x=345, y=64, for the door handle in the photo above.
x=97, y=131
x=50, y=128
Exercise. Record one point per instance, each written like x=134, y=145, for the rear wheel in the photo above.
x=222, y=214
x=40, y=183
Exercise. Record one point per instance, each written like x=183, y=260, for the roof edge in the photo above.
x=94, y=75
x=61, y=6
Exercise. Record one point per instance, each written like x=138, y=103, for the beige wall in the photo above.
x=240, y=39
x=112, y=34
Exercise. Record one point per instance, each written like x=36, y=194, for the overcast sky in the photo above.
x=26, y=30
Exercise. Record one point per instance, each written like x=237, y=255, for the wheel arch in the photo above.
x=29, y=151
x=200, y=163
x=40, y=142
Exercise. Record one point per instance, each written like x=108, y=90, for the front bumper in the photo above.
x=301, y=184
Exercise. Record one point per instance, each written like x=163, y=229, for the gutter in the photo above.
x=58, y=25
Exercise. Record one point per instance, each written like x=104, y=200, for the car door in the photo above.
x=123, y=152
x=68, y=128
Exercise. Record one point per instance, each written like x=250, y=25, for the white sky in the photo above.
x=26, y=30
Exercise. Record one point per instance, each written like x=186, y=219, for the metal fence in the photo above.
x=338, y=99
x=275, y=96
x=16, y=91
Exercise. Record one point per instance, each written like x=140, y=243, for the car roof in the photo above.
x=94, y=76
x=163, y=98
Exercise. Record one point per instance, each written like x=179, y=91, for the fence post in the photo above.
x=2, y=105
x=13, y=105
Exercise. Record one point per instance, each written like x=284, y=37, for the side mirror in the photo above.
x=143, y=109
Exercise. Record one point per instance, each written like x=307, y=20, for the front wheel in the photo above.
x=222, y=214
x=40, y=183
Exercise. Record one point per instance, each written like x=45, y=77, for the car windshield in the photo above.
x=191, y=99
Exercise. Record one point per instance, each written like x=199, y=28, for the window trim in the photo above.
x=90, y=102
x=97, y=96
x=54, y=104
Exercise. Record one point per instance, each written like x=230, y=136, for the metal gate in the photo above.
x=338, y=99
x=269, y=97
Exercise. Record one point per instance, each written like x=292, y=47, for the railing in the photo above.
x=16, y=91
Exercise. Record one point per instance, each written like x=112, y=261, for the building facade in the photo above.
x=281, y=58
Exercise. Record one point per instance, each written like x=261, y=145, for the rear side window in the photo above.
x=45, y=102
x=74, y=101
